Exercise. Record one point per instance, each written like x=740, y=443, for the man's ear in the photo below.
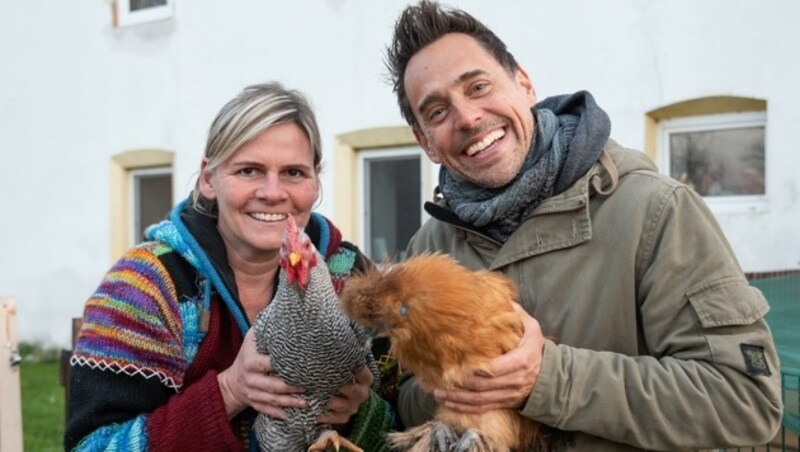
x=524, y=82
x=205, y=181
x=423, y=142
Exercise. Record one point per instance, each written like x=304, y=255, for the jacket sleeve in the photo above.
x=127, y=378
x=709, y=373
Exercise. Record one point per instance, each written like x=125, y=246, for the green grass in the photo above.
x=42, y=406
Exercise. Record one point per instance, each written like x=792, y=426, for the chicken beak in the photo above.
x=294, y=258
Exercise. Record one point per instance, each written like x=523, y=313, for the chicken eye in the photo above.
x=403, y=309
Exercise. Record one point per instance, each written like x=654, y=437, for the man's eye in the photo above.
x=436, y=114
x=480, y=87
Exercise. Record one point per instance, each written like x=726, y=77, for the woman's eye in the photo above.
x=247, y=172
x=294, y=173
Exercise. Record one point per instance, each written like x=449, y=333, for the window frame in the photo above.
x=124, y=16
x=134, y=175
x=347, y=147
x=122, y=165
x=362, y=200
x=714, y=122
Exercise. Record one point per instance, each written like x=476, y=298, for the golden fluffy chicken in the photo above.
x=446, y=323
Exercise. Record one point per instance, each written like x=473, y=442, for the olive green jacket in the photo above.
x=659, y=342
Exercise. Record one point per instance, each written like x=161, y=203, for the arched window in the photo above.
x=717, y=146
x=382, y=180
x=141, y=194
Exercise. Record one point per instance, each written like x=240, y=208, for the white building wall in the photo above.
x=74, y=91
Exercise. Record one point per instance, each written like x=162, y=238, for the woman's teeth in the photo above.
x=268, y=216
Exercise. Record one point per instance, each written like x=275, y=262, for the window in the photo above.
x=382, y=180
x=718, y=155
x=141, y=194
x=134, y=12
x=151, y=191
x=391, y=199
x=717, y=146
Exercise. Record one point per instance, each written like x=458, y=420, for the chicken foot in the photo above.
x=437, y=436
x=332, y=438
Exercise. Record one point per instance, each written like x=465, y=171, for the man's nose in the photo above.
x=468, y=114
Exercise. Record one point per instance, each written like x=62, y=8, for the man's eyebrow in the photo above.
x=461, y=79
x=470, y=74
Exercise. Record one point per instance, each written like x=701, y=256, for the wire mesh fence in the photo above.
x=782, y=290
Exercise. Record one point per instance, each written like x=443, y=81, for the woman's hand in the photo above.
x=347, y=400
x=248, y=383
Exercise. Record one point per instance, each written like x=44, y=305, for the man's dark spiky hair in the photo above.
x=424, y=23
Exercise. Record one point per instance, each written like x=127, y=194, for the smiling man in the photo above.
x=473, y=116
x=660, y=340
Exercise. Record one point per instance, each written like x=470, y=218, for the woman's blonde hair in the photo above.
x=254, y=110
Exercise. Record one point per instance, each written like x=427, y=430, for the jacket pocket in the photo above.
x=728, y=302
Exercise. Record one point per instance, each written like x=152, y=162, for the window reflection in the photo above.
x=393, y=193
x=724, y=162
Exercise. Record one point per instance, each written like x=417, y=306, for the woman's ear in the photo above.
x=318, y=185
x=206, y=181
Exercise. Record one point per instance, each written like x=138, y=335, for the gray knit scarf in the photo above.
x=571, y=131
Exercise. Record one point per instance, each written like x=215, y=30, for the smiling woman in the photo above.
x=257, y=188
x=174, y=314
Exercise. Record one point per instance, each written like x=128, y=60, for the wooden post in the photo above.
x=10, y=403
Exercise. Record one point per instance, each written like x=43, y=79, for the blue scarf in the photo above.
x=571, y=131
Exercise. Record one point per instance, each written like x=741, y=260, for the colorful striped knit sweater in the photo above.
x=144, y=368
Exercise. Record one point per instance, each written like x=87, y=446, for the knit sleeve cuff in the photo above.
x=195, y=416
x=371, y=423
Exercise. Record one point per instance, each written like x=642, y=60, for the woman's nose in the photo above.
x=271, y=188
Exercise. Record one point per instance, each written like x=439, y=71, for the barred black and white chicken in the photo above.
x=312, y=345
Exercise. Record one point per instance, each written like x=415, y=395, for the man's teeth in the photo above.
x=268, y=216
x=485, y=142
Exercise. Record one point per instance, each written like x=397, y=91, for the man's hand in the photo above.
x=513, y=376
